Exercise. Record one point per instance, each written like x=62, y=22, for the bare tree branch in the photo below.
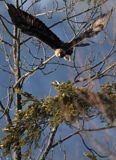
x=26, y=75
x=83, y=130
x=101, y=74
x=49, y=144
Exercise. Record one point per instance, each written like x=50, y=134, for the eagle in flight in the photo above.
x=32, y=26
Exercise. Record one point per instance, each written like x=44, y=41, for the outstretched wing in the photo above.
x=33, y=26
x=97, y=26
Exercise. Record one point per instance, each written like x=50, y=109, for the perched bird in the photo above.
x=32, y=26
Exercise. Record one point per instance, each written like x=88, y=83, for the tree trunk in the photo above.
x=16, y=58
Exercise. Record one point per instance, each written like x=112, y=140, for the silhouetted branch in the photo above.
x=6, y=113
x=83, y=130
x=92, y=151
x=26, y=75
x=49, y=144
x=101, y=74
x=87, y=68
x=7, y=29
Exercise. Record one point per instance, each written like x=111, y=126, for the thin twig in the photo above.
x=7, y=28
x=101, y=74
x=49, y=145
x=90, y=149
x=26, y=75
x=64, y=19
x=79, y=131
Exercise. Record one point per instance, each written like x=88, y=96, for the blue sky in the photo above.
x=40, y=85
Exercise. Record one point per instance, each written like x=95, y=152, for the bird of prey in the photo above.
x=32, y=26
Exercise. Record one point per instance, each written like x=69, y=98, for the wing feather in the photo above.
x=97, y=26
x=33, y=26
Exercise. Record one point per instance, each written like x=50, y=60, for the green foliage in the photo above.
x=90, y=156
x=71, y=103
x=26, y=128
x=109, y=90
x=108, y=96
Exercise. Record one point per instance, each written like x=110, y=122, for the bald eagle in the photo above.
x=32, y=26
